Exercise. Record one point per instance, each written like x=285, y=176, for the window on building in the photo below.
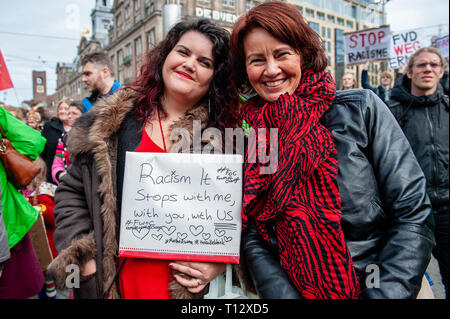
x=300, y=9
x=149, y=7
x=330, y=18
x=324, y=33
x=120, y=76
x=329, y=33
x=138, y=47
x=119, y=57
x=340, y=21
x=320, y=15
x=309, y=12
x=128, y=49
x=150, y=39
x=314, y=26
x=329, y=46
x=137, y=5
x=339, y=56
x=350, y=24
x=127, y=12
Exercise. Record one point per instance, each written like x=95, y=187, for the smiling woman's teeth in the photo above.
x=274, y=83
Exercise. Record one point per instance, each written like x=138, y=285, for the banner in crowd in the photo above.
x=442, y=45
x=406, y=43
x=367, y=45
x=182, y=207
x=5, y=79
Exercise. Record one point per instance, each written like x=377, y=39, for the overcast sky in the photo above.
x=53, y=30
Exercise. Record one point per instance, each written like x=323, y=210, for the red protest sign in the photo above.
x=5, y=79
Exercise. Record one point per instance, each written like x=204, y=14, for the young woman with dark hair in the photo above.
x=185, y=78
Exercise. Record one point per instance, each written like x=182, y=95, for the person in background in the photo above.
x=62, y=159
x=41, y=195
x=17, y=112
x=98, y=76
x=385, y=208
x=384, y=89
x=348, y=81
x=186, y=77
x=52, y=131
x=34, y=119
x=421, y=108
x=22, y=275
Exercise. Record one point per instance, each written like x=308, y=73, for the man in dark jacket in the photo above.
x=421, y=108
x=384, y=205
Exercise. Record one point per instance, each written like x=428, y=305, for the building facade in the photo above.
x=69, y=83
x=137, y=25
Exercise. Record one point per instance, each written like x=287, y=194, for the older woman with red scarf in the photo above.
x=297, y=209
x=301, y=197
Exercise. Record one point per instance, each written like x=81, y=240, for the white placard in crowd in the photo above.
x=404, y=44
x=182, y=207
x=442, y=45
x=367, y=45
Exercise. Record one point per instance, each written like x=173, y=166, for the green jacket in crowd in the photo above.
x=18, y=214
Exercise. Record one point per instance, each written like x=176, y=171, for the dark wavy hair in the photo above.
x=223, y=96
x=284, y=22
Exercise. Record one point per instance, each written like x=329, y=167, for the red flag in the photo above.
x=5, y=79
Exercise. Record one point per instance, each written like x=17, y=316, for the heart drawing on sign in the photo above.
x=219, y=232
x=140, y=233
x=228, y=238
x=206, y=236
x=168, y=230
x=196, y=230
x=181, y=236
x=157, y=237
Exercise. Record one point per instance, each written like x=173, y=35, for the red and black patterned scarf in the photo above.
x=300, y=199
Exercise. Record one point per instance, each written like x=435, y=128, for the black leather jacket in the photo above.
x=384, y=205
x=425, y=122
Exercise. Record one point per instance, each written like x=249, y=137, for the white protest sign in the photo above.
x=404, y=44
x=367, y=45
x=181, y=207
x=442, y=46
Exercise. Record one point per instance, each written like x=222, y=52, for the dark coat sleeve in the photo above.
x=72, y=217
x=264, y=266
x=408, y=239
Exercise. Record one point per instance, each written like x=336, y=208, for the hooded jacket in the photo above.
x=88, y=196
x=425, y=122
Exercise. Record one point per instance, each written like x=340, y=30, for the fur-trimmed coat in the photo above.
x=87, y=217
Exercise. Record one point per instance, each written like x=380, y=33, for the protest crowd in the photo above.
x=351, y=202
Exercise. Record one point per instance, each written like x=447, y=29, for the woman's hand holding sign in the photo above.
x=199, y=273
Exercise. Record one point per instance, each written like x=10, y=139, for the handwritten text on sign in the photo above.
x=367, y=45
x=181, y=207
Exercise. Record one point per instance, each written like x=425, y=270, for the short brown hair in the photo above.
x=100, y=59
x=78, y=105
x=426, y=49
x=284, y=22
